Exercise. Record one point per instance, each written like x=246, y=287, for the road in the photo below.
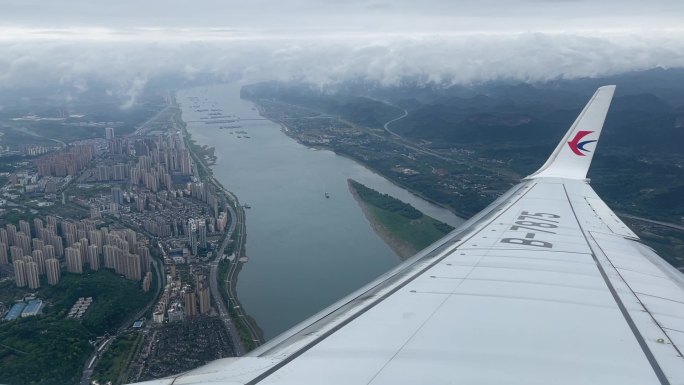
x=140, y=130
x=393, y=136
x=60, y=142
x=666, y=224
x=386, y=126
x=407, y=143
x=237, y=221
x=223, y=312
x=231, y=281
x=216, y=293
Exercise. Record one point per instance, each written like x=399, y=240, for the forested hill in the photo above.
x=357, y=108
x=647, y=114
x=514, y=126
x=642, y=122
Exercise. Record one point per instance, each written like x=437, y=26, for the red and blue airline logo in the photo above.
x=577, y=145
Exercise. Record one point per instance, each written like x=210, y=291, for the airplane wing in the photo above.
x=545, y=286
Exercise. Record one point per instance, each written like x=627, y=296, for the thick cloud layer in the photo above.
x=126, y=65
x=127, y=43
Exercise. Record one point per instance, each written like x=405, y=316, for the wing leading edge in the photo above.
x=546, y=285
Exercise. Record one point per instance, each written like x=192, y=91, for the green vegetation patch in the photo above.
x=68, y=210
x=385, y=202
x=116, y=358
x=42, y=351
x=15, y=215
x=400, y=219
x=114, y=298
x=92, y=190
x=52, y=349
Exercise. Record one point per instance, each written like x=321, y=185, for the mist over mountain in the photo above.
x=122, y=63
x=647, y=113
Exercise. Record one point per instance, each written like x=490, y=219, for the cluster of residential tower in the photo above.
x=44, y=248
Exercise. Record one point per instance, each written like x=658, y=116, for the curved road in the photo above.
x=386, y=126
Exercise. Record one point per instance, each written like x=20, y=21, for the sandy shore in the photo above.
x=403, y=249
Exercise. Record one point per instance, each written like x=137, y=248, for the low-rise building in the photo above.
x=32, y=308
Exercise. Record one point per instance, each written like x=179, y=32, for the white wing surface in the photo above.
x=545, y=286
x=572, y=157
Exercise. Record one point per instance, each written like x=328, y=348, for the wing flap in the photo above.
x=649, y=291
x=607, y=216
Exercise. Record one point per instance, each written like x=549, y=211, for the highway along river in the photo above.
x=305, y=250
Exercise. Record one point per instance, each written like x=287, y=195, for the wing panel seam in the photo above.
x=658, y=371
x=639, y=299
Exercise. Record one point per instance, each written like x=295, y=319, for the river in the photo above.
x=305, y=250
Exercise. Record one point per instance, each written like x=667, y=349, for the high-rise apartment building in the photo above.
x=52, y=269
x=73, y=260
x=32, y=275
x=3, y=254
x=117, y=195
x=37, y=244
x=19, y=272
x=16, y=253
x=49, y=251
x=56, y=242
x=11, y=233
x=202, y=232
x=39, y=259
x=22, y=240
x=203, y=294
x=93, y=260
x=3, y=237
x=25, y=227
x=190, y=303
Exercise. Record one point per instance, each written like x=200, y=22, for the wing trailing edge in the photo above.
x=572, y=157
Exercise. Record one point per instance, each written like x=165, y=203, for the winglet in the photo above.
x=572, y=157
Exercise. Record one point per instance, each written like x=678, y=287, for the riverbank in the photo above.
x=291, y=130
x=249, y=332
x=403, y=228
x=292, y=224
x=400, y=247
x=404, y=237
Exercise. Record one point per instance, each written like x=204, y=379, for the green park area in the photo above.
x=115, y=360
x=51, y=348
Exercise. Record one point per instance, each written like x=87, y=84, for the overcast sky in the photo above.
x=347, y=16
x=127, y=42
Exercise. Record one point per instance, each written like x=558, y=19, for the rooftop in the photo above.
x=32, y=308
x=15, y=311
